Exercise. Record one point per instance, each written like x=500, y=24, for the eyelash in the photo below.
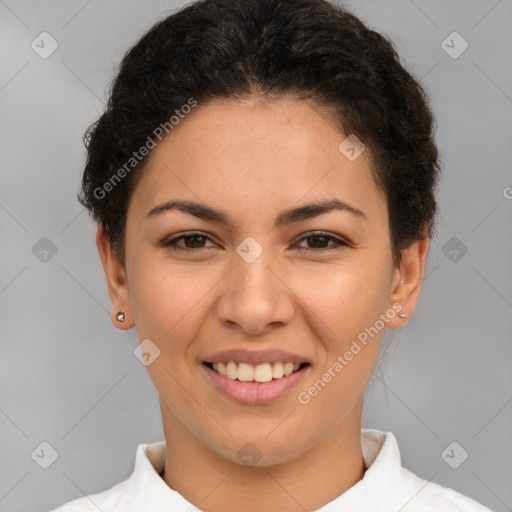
x=339, y=243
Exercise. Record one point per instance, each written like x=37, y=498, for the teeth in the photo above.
x=232, y=370
x=263, y=373
x=221, y=368
x=245, y=372
x=260, y=373
x=277, y=370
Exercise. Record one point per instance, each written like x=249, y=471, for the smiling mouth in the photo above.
x=261, y=373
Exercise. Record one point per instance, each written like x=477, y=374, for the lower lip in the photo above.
x=255, y=393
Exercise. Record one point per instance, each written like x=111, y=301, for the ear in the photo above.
x=407, y=281
x=116, y=281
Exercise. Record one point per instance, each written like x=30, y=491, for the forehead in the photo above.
x=253, y=155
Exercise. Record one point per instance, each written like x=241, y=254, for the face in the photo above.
x=256, y=270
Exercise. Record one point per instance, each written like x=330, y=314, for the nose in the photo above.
x=255, y=297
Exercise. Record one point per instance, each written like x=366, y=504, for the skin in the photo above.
x=254, y=158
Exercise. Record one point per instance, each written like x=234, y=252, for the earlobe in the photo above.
x=117, y=284
x=407, y=281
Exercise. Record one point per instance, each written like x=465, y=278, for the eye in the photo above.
x=192, y=240
x=196, y=240
x=319, y=238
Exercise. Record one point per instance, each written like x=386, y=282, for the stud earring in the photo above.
x=120, y=316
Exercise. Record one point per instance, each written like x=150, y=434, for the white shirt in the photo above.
x=385, y=487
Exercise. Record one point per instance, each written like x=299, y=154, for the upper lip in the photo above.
x=255, y=357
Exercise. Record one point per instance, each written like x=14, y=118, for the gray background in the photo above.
x=69, y=378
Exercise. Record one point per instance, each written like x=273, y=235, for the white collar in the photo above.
x=386, y=486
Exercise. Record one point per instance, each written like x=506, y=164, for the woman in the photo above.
x=263, y=182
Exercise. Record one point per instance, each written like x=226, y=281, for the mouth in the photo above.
x=255, y=384
x=261, y=373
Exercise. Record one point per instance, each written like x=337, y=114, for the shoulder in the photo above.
x=144, y=489
x=390, y=487
x=430, y=496
x=104, y=501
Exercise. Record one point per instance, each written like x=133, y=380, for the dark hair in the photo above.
x=309, y=49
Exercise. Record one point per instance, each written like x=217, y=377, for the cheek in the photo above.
x=168, y=301
x=343, y=307
x=344, y=299
x=168, y=311
x=343, y=304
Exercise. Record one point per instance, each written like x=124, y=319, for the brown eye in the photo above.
x=191, y=241
x=318, y=242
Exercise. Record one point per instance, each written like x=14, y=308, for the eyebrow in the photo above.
x=299, y=213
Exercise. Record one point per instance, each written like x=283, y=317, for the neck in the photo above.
x=307, y=481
